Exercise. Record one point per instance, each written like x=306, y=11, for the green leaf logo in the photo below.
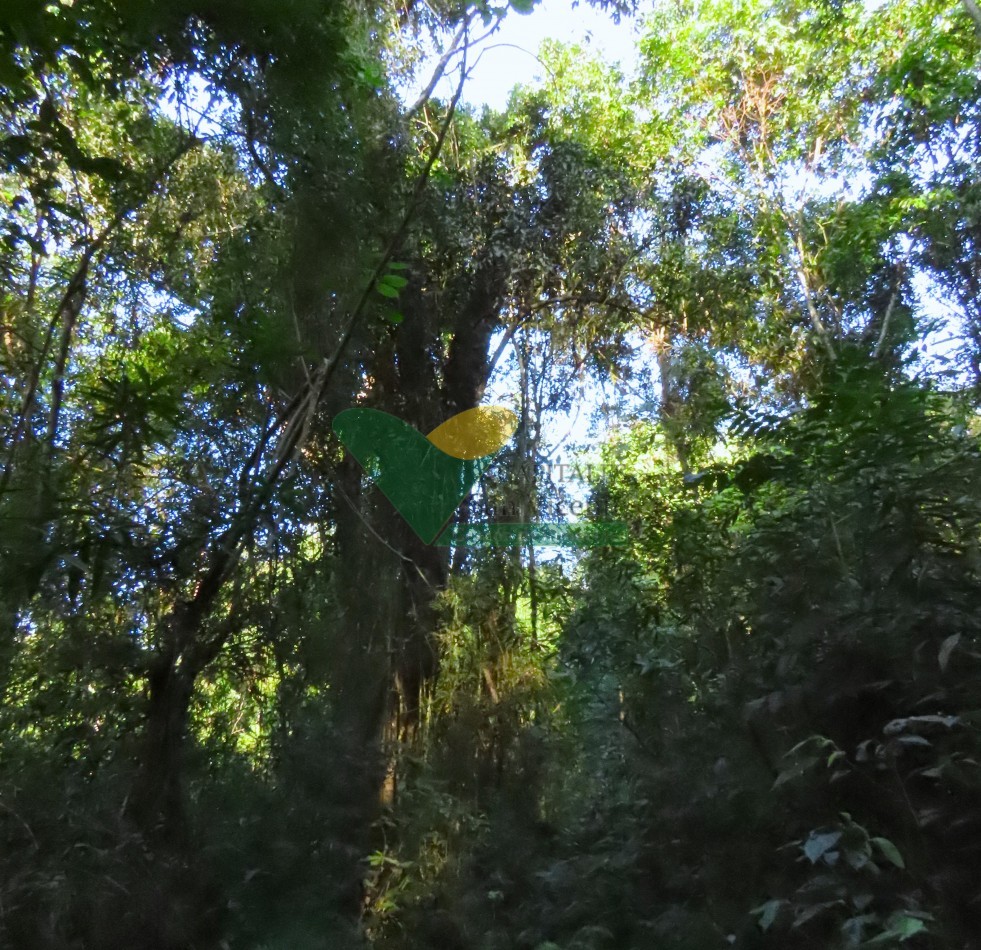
x=425, y=476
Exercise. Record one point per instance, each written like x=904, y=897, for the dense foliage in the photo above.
x=243, y=706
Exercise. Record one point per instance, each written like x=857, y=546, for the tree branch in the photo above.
x=296, y=423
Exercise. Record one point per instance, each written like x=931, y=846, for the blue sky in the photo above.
x=508, y=58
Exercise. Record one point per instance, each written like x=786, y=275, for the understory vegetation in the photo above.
x=245, y=707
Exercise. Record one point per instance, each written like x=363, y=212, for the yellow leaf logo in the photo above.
x=475, y=433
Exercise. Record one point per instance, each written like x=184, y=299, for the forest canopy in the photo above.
x=245, y=705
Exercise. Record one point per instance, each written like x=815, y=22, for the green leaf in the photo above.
x=386, y=290
x=524, y=7
x=909, y=927
x=899, y=925
x=889, y=851
x=819, y=844
x=768, y=913
x=798, y=769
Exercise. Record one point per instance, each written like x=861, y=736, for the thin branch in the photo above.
x=440, y=67
x=880, y=342
x=74, y=296
x=509, y=333
x=371, y=530
x=816, y=320
x=67, y=311
x=296, y=423
x=260, y=162
x=528, y=52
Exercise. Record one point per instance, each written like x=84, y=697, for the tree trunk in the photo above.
x=157, y=802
